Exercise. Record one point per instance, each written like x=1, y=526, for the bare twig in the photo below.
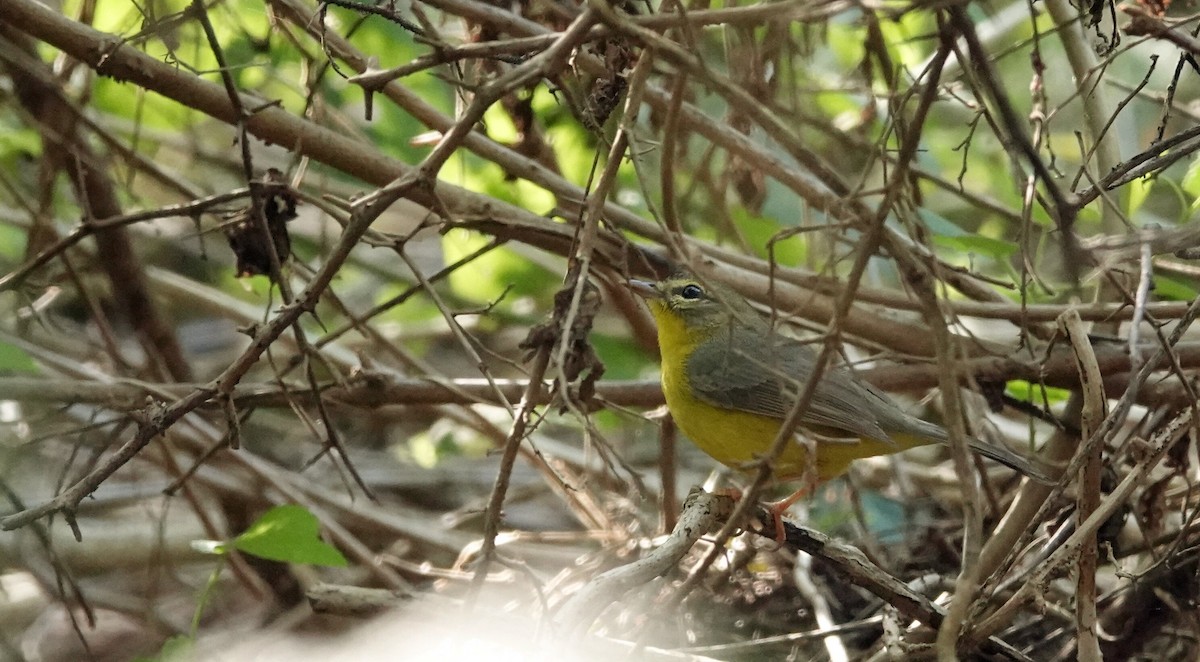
x=702, y=513
x=1094, y=411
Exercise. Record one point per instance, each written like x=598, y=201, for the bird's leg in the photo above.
x=778, y=508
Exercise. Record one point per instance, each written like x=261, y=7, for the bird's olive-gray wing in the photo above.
x=743, y=370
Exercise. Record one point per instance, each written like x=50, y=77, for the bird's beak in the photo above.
x=644, y=289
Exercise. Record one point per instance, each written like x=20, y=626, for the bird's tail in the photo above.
x=1011, y=459
x=991, y=451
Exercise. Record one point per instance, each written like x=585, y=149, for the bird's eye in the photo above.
x=691, y=292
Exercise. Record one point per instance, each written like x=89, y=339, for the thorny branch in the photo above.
x=866, y=228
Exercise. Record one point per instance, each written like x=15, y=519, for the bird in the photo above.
x=730, y=379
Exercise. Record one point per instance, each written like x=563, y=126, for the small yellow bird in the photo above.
x=730, y=380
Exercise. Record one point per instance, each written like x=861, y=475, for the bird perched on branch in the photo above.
x=730, y=380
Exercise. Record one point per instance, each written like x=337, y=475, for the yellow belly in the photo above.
x=737, y=439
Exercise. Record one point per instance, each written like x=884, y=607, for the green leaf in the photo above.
x=1191, y=180
x=977, y=244
x=501, y=272
x=847, y=41
x=14, y=359
x=12, y=241
x=1023, y=390
x=1139, y=190
x=939, y=225
x=1171, y=289
x=622, y=359
x=19, y=142
x=288, y=533
x=760, y=230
